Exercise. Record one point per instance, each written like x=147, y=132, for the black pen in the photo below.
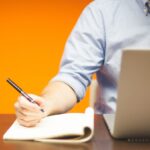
x=15, y=86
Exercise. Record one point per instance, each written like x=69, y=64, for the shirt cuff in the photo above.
x=73, y=82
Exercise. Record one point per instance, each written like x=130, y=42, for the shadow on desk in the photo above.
x=25, y=145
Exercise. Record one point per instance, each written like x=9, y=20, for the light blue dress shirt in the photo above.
x=104, y=29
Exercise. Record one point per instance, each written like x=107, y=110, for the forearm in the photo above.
x=59, y=98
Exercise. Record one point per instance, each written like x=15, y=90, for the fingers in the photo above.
x=28, y=123
x=29, y=119
x=27, y=113
x=24, y=103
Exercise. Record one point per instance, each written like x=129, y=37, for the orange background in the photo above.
x=32, y=38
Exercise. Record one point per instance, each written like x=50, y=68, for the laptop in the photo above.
x=132, y=117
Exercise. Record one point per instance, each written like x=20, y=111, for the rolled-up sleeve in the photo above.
x=84, y=51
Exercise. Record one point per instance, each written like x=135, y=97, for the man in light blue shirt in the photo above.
x=104, y=29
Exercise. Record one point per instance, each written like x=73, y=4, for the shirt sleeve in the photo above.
x=84, y=51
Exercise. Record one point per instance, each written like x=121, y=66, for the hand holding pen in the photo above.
x=28, y=107
x=15, y=86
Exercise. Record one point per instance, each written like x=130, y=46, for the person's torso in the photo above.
x=126, y=27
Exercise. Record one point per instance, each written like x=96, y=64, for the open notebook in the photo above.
x=63, y=128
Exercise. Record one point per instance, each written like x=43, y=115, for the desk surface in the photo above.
x=101, y=140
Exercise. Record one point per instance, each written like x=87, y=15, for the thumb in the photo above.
x=38, y=99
